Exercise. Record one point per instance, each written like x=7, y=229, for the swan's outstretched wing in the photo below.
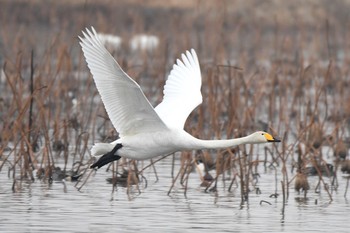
x=182, y=91
x=126, y=105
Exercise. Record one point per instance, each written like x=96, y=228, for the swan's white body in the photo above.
x=144, y=131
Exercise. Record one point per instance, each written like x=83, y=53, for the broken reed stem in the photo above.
x=172, y=167
x=283, y=196
x=232, y=181
x=173, y=183
x=248, y=164
x=154, y=170
x=186, y=164
x=30, y=120
x=132, y=176
x=319, y=173
x=84, y=136
x=154, y=162
x=65, y=143
x=186, y=183
x=85, y=180
x=282, y=156
x=243, y=194
x=347, y=186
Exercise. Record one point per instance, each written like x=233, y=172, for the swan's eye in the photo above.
x=262, y=134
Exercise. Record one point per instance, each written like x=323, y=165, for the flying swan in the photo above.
x=146, y=132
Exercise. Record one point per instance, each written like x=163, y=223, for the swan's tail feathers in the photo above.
x=108, y=157
x=101, y=148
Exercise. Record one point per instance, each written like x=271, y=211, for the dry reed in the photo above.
x=285, y=77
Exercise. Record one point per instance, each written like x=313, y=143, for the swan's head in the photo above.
x=262, y=137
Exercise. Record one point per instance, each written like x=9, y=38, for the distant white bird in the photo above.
x=146, y=132
x=144, y=42
x=110, y=41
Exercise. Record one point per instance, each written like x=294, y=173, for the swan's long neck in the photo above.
x=220, y=144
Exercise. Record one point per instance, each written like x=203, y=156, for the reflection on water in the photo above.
x=42, y=207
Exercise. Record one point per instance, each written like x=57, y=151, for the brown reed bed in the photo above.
x=288, y=77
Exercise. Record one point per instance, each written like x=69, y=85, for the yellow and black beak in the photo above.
x=269, y=138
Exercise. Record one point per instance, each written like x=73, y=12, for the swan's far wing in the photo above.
x=182, y=91
x=126, y=105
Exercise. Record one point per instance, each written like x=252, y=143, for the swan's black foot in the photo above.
x=107, y=158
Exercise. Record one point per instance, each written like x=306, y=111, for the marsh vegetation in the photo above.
x=282, y=68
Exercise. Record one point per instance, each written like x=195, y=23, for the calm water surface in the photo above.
x=41, y=207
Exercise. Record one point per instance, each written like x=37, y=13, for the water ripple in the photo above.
x=41, y=207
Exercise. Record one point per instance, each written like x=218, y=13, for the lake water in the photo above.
x=41, y=207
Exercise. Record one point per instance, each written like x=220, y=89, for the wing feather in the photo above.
x=182, y=92
x=126, y=105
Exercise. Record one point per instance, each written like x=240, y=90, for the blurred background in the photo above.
x=278, y=66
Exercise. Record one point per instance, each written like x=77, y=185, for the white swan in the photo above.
x=146, y=132
x=143, y=42
x=110, y=41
